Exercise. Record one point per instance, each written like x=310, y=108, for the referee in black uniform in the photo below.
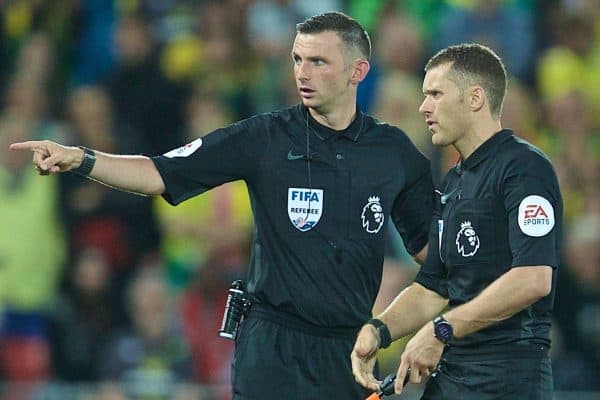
x=324, y=181
x=493, y=250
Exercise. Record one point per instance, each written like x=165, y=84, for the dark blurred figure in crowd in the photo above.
x=498, y=24
x=83, y=317
x=149, y=358
x=93, y=53
x=577, y=360
x=145, y=101
x=398, y=53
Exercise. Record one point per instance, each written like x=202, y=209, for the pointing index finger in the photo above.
x=32, y=145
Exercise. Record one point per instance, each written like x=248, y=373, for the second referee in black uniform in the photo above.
x=493, y=250
x=324, y=181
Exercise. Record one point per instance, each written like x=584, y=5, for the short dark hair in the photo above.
x=351, y=32
x=475, y=64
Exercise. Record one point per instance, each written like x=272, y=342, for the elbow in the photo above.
x=155, y=190
x=152, y=183
x=151, y=187
x=541, y=290
x=536, y=293
x=155, y=183
x=421, y=255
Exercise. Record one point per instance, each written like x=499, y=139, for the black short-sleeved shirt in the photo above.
x=319, y=216
x=500, y=208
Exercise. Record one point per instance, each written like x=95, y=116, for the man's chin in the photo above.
x=437, y=140
x=313, y=105
x=308, y=102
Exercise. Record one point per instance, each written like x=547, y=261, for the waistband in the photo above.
x=271, y=314
x=496, y=352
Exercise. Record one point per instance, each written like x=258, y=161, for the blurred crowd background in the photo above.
x=107, y=295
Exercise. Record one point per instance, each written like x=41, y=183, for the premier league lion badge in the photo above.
x=372, y=215
x=467, y=241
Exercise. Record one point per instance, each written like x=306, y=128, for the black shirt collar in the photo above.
x=352, y=132
x=487, y=149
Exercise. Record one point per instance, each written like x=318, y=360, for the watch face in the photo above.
x=444, y=330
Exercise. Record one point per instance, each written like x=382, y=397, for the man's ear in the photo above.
x=477, y=98
x=360, y=69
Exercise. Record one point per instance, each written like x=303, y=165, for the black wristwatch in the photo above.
x=384, y=333
x=442, y=330
x=89, y=160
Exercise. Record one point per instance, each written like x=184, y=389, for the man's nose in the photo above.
x=425, y=107
x=303, y=71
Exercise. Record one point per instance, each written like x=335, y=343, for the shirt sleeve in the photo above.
x=412, y=208
x=533, y=204
x=432, y=274
x=224, y=155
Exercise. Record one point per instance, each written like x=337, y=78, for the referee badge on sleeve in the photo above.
x=536, y=216
x=186, y=150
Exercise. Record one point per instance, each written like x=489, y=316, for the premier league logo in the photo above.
x=305, y=207
x=372, y=215
x=185, y=151
x=467, y=241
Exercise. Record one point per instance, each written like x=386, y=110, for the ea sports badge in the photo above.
x=536, y=216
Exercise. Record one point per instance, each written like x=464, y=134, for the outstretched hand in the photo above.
x=364, y=356
x=50, y=157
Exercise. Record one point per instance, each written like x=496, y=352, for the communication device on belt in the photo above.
x=235, y=309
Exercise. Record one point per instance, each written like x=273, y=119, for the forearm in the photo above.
x=512, y=292
x=411, y=309
x=135, y=174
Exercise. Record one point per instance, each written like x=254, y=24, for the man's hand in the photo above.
x=364, y=356
x=422, y=355
x=50, y=157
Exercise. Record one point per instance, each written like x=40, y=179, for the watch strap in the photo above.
x=86, y=166
x=385, y=338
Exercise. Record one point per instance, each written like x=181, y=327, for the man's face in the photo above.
x=444, y=108
x=321, y=72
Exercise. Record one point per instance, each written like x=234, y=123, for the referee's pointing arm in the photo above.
x=131, y=173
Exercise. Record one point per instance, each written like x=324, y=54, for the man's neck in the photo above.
x=476, y=136
x=337, y=120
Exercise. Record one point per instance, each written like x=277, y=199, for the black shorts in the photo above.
x=516, y=376
x=278, y=358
